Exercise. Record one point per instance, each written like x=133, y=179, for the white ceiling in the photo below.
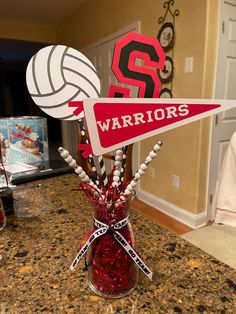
x=49, y=12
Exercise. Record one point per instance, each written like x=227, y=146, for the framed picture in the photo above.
x=165, y=93
x=166, y=36
x=166, y=73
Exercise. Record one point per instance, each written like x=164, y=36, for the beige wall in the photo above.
x=189, y=145
x=97, y=19
x=185, y=150
x=27, y=31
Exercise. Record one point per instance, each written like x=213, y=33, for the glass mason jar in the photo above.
x=111, y=271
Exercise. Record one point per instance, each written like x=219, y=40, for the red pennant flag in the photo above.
x=121, y=122
x=113, y=123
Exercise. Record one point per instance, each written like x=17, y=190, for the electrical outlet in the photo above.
x=175, y=181
x=188, y=65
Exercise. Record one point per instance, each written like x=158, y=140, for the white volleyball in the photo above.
x=57, y=74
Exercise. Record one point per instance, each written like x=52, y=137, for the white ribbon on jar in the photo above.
x=102, y=229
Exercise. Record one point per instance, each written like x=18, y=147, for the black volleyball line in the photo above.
x=63, y=86
x=63, y=103
x=85, y=78
x=34, y=75
x=81, y=60
x=50, y=94
x=48, y=67
x=61, y=65
x=68, y=83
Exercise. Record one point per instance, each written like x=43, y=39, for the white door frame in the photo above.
x=212, y=175
x=211, y=167
x=134, y=27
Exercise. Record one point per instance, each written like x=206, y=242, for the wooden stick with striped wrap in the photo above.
x=84, y=140
x=103, y=172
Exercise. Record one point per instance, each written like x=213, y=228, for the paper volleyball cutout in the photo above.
x=57, y=74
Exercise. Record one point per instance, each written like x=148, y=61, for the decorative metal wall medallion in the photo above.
x=165, y=93
x=166, y=73
x=166, y=36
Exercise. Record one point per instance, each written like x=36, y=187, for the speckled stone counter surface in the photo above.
x=35, y=253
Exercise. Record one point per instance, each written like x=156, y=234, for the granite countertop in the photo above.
x=36, y=251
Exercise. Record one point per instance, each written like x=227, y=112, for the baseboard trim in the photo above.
x=189, y=219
